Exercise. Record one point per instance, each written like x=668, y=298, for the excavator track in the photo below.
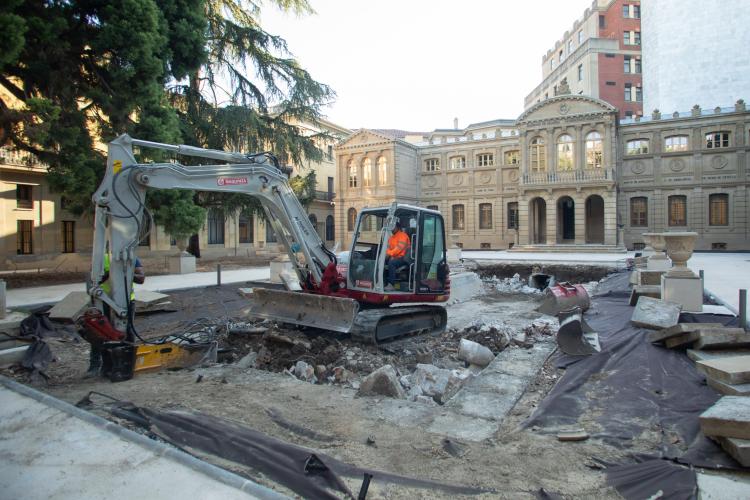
x=345, y=316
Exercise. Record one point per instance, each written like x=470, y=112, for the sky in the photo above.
x=418, y=64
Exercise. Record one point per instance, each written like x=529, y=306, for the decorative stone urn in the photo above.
x=648, y=250
x=658, y=261
x=680, y=247
x=182, y=244
x=182, y=263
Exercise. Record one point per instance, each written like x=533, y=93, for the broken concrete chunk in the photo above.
x=738, y=448
x=69, y=308
x=425, y=400
x=734, y=370
x=439, y=383
x=655, y=314
x=382, y=382
x=341, y=374
x=475, y=354
x=729, y=417
x=679, y=329
x=248, y=361
x=720, y=338
x=303, y=371
x=573, y=435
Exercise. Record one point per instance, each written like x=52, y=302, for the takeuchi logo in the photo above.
x=231, y=181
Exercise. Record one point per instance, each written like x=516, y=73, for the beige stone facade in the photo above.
x=37, y=232
x=560, y=177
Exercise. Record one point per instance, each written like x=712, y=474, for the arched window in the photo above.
x=677, y=210
x=382, y=171
x=564, y=153
x=675, y=143
x=314, y=221
x=639, y=211
x=457, y=211
x=485, y=216
x=352, y=170
x=245, y=223
x=594, y=150
x=330, y=229
x=718, y=209
x=215, y=226
x=367, y=172
x=538, y=155
x=351, y=219
x=511, y=157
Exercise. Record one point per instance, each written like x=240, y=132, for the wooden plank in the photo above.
x=729, y=389
x=738, y=448
x=733, y=370
x=679, y=329
x=69, y=308
x=729, y=417
x=720, y=338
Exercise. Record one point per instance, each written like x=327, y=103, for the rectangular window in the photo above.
x=68, y=236
x=626, y=38
x=485, y=216
x=485, y=160
x=717, y=140
x=24, y=196
x=637, y=147
x=625, y=10
x=246, y=228
x=637, y=64
x=628, y=92
x=602, y=22
x=580, y=37
x=23, y=237
x=677, y=210
x=513, y=215
x=511, y=157
x=718, y=209
x=270, y=234
x=570, y=46
x=638, y=94
x=330, y=152
x=639, y=212
x=626, y=64
x=215, y=227
x=433, y=207
x=676, y=143
x=580, y=72
x=636, y=38
x=611, y=84
x=636, y=11
x=457, y=163
x=432, y=165
x=457, y=211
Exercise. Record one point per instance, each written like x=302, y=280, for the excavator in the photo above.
x=340, y=293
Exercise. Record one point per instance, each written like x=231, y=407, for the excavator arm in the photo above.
x=120, y=211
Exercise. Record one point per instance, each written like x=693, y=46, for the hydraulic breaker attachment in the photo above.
x=575, y=336
x=564, y=297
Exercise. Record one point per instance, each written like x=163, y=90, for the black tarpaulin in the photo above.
x=303, y=470
x=633, y=386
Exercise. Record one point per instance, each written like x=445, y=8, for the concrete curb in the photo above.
x=160, y=449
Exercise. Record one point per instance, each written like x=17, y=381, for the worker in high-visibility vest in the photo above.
x=139, y=276
x=399, y=246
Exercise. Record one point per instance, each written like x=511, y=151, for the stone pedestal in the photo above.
x=687, y=291
x=182, y=264
x=280, y=264
x=454, y=254
x=649, y=277
x=658, y=261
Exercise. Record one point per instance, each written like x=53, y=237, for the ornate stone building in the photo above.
x=566, y=175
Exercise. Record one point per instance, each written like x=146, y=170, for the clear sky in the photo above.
x=417, y=64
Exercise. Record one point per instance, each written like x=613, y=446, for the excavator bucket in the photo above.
x=306, y=309
x=575, y=336
x=564, y=297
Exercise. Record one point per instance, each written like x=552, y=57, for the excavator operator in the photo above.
x=399, y=245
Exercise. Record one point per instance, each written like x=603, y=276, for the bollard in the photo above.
x=218, y=274
x=743, y=308
x=2, y=299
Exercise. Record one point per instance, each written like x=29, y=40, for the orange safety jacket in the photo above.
x=398, y=245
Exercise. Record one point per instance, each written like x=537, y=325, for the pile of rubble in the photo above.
x=513, y=285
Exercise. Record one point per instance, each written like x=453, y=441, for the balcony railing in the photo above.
x=324, y=195
x=19, y=158
x=571, y=177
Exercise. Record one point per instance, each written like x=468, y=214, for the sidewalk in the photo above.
x=24, y=297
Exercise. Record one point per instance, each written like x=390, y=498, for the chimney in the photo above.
x=455, y=124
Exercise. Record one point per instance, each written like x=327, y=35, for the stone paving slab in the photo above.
x=679, y=329
x=729, y=417
x=732, y=370
x=719, y=338
x=697, y=355
x=655, y=314
x=653, y=291
x=69, y=308
x=738, y=448
x=729, y=389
